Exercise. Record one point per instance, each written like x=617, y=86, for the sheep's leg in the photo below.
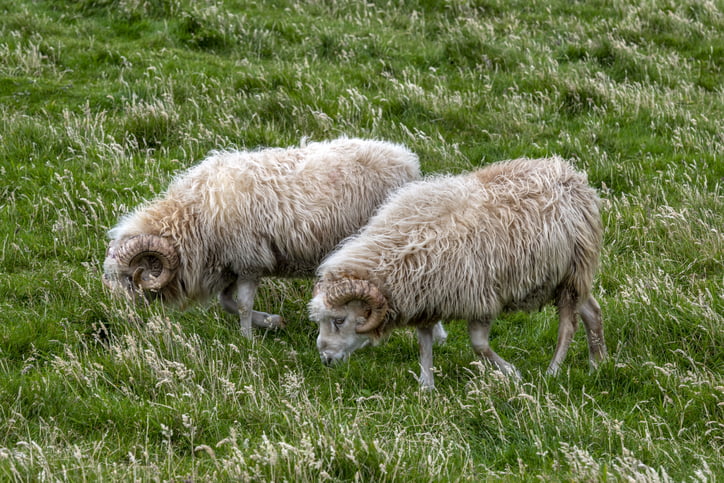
x=226, y=298
x=591, y=315
x=425, y=339
x=238, y=299
x=245, y=293
x=267, y=321
x=479, y=331
x=567, y=325
x=439, y=336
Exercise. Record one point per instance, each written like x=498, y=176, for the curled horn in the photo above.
x=148, y=253
x=346, y=290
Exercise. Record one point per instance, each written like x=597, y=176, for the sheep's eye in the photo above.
x=337, y=322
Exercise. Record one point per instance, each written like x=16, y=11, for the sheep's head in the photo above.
x=348, y=313
x=143, y=264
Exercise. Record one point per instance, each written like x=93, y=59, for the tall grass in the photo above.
x=103, y=101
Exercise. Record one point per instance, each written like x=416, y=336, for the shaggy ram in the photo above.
x=511, y=236
x=239, y=216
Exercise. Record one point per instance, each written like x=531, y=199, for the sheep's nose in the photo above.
x=326, y=359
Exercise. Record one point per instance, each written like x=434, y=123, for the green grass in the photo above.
x=102, y=101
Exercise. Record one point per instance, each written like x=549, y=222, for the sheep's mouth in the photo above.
x=332, y=360
x=107, y=281
x=126, y=289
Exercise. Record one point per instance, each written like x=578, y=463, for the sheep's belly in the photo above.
x=533, y=300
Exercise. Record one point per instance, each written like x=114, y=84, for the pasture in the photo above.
x=103, y=101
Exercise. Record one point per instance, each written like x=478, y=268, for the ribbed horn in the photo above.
x=153, y=260
x=346, y=290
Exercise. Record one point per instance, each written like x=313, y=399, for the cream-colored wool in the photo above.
x=515, y=235
x=243, y=215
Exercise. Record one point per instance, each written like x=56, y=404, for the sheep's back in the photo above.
x=279, y=211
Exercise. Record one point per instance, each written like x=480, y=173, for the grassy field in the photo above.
x=102, y=101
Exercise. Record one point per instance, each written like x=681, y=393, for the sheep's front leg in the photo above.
x=245, y=293
x=425, y=340
x=227, y=299
x=479, y=331
x=238, y=298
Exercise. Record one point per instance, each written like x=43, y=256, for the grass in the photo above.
x=102, y=101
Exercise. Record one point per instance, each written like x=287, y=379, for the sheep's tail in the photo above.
x=587, y=246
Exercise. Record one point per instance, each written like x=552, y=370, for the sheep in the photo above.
x=239, y=216
x=514, y=235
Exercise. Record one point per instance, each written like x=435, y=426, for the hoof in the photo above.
x=275, y=322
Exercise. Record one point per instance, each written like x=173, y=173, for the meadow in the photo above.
x=103, y=101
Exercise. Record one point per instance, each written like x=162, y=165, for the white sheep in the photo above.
x=239, y=216
x=511, y=236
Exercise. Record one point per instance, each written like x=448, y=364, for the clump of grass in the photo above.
x=28, y=59
x=211, y=28
x=151, y=123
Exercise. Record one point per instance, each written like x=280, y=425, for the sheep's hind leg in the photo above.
x=593, y=322
x=567, y=325
x=425, y=339
x=479, y=331
x=267, y=321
